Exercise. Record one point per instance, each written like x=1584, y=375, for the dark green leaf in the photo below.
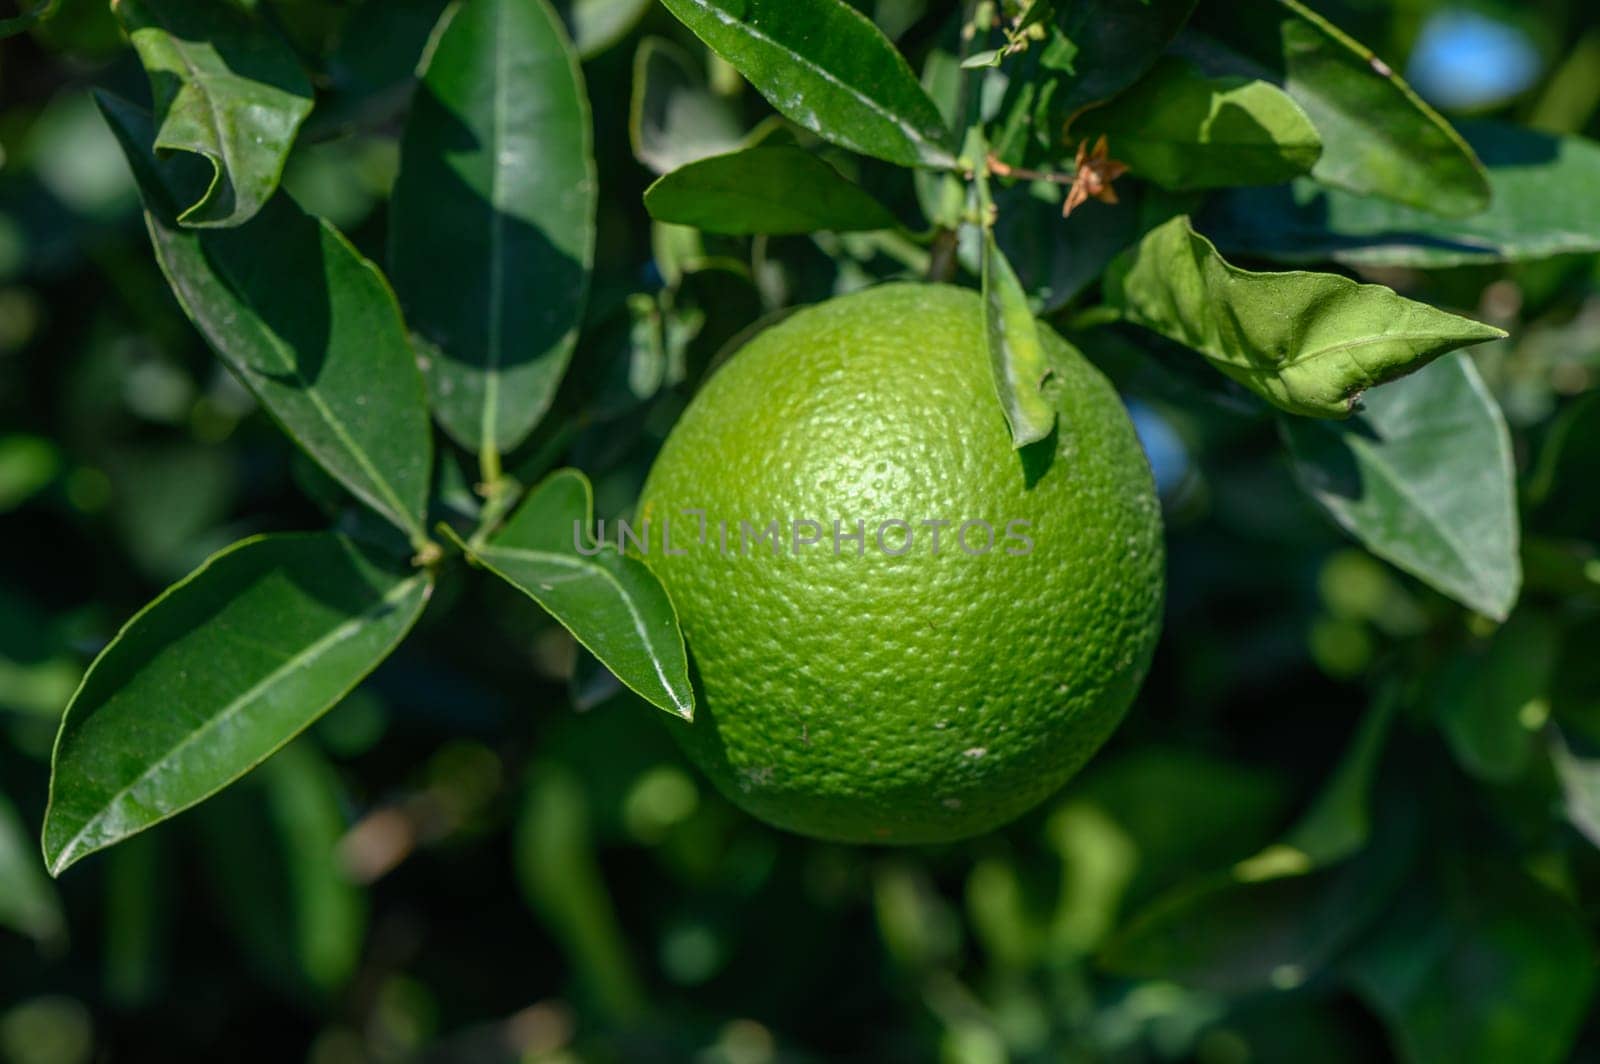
x=1491, y=704
x=1183, y=130
x=1309, y=343
x=1116, y=42
x=828, y=68
x=493, y=218
x=1339, y=822
x=226, y=88
x=1542, y=207
x=272, y=854
x=674, y=118
x=1016, y=356
x=781, y=189
x=1273, y=921
x=1491, y=967
x=33, y=13
x=214, y=676
x=309, y=326
x=1378, y=137
x=1423, y=477
x=28, y=903
x=610, y=602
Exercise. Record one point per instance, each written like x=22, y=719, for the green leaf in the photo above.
x=674, y=119
x=216, y=674
x=1016, y=356
x=777, y=190
x=596, y=25
x=1378, y=137
x=1309, y=343
x=610, y=602
x=1271, y=922
x=28, y=903
x=226, y=88
x=1116, y=43
x=1542, y=206
x=1491, y=703
x=493, y=218
x=826, y=67
x=1183, y=130
x=1423, y=477
x=309, y=326
x=31, y=16
x=1486, y=968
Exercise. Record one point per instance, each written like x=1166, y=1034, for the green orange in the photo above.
x=881, y=690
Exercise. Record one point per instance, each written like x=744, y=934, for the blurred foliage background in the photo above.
x=490, y=852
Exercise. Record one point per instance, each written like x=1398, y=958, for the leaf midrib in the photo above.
x=303, y=659
x=916, y=137
x=591, y=569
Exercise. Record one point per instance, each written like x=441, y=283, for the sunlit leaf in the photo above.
x=674, y=118
x=596, y=25
x=309, y=326
x=226, y=88
x=778, y=189
x=610, y=602
x=1309, y=343
x=1423, y=478
x=1016, y=356
x=1378, y=137
x=216, y=674
x=1183, y=130
x=494, y=218
x=828, y=68
x=1541, y=207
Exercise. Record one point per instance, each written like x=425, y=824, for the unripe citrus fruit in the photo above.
x=858, y=681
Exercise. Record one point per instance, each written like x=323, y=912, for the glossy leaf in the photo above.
x=1184, y=130
x=1016, y=355
x=28, y=902
x=32, y=14
x=674, y=118
x=778, y=190
x=610, y=602
x=1542, y=206
x=309, y=326
x=226, y=88
x=493, y=218
x=1116, y=43
x=1423, y=477
x=1378, y=136
x=1309, y=343
x=214, y=676
x=826, y=67
x=1491, y=967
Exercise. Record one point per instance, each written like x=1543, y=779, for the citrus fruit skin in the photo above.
x=857, y=695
